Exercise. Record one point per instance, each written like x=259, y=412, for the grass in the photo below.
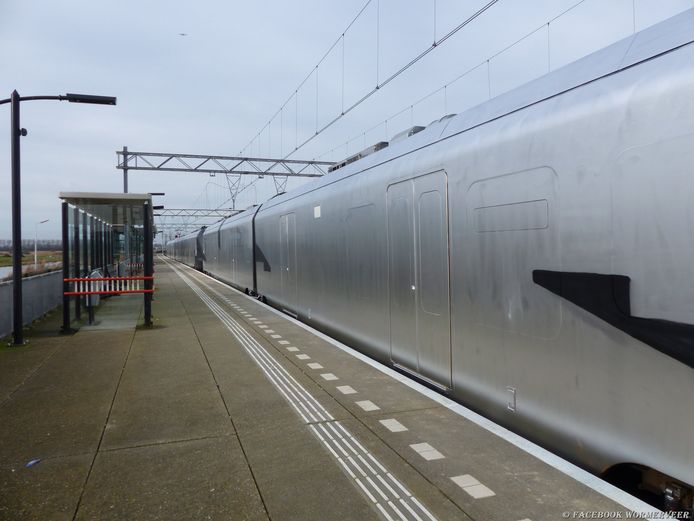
x=28, y=258
x=43, y=257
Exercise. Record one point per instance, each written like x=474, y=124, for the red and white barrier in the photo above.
x=108, y=285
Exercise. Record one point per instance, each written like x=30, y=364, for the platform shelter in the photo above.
x=107, y=250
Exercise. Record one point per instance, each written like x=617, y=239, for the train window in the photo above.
x=510, y=232
x=516, y=216
x=432, y=251
x=362, y=251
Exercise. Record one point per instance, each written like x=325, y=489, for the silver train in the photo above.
x=532, y=257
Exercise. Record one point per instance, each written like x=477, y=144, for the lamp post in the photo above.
x=36, y=233
x=15, y=133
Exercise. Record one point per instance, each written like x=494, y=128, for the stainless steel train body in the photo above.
x=228, y=248
x=184, y=249
x=531, y=257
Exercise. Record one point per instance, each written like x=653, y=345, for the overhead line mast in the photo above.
x=233, y=167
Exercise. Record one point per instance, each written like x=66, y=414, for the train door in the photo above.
x=234, y=249
x=419, y=276
x=288, y=271
x=401, y=276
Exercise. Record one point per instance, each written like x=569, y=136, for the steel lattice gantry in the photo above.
x=195, y=212
x=187, y=217
x=233, y=167
x=174, y=222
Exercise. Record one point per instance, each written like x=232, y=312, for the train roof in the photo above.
x=649, y=43
x=231, y=220
x=190, y=235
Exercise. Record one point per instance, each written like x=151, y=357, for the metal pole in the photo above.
x=96, y=242
x=108, y=246
x=66, y=269
x=92, y=243
x=36, y=257
x=99, y=245
x=85, y=257
x=15, y=133
x=104, y=245
x=148, y=261
x=85, y=246
x=125, y=170
x=76, y=255
x=92, y=263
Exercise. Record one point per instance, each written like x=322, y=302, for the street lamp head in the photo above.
x=89, y=98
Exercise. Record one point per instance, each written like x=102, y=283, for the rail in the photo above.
x=108, y=285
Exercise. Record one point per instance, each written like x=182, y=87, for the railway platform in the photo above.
x=227, y=409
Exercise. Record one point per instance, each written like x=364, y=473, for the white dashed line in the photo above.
x=393, y=425
x=315, y=365
x=270, y=331
x=472, y=486
x=284, y=342
x=346, y=389
x=329, y=376
x=480, y=491
x=426, y=451
x=303, y=357
x=276, y=336
x=368, y=405
x=292, y=349
x=262, y=327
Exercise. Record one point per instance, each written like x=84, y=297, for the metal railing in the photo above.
x=108, y=285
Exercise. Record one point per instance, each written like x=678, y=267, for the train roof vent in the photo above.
x=407, y=133
x=356, y=157
x=447, y=116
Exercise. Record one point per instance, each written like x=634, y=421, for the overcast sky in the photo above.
x=212, y=90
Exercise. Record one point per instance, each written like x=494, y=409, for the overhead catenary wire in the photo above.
x=486, y=62
x=308, y=76
x=379, y=84
x=341, y=40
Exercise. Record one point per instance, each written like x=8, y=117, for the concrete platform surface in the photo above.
x=226, y=409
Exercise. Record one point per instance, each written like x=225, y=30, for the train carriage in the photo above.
x=531, y=257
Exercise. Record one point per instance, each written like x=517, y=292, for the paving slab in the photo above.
x=521, y=484
x=298, y=477
x=116, y=312
x=48, y=490
x=63, y=407
x=201, y=479
x=18, y=363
